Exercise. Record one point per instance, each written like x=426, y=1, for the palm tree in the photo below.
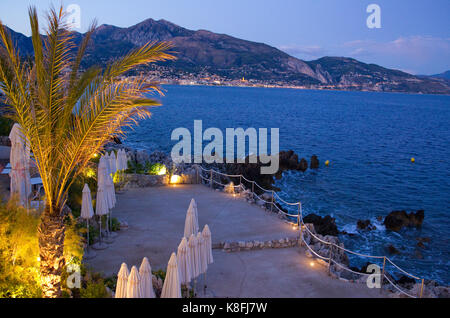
x=68, y=115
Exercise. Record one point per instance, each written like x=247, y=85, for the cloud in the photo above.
x=418, y=54
x=304, y=51
x=413, y=52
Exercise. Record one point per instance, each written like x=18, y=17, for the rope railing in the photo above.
x=302, y=225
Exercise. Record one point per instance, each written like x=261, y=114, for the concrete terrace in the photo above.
x=156, y=225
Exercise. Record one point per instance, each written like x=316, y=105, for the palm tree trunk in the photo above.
x=51, y=247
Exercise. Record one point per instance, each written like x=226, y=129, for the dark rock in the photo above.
x=323, y=226
x=365, y=225
x=421, y=245
x=424, y=239
x=396, y=220
x=406, y=281
x=116, y=140
x=314, y=162
x=392, y=250
x=303, y=165
x=379, y=218
x=363, y=269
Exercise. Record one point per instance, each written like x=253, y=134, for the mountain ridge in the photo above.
x=203, y=53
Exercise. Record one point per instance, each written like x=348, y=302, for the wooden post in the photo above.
x=329, y=260
x=382, y=274
x=421, y=289
x=211, y=180
x=253, y=187
x=198, y=168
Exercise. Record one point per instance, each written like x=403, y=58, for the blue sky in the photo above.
x=414, y=37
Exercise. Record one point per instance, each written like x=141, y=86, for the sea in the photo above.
x=369, y=139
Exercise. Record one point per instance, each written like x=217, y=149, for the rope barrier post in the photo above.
x=329, y=260
x=271, y=206
x=211, y=182
x=253, y=187
x=198, y=168
x=382, y=274
x=299, y=213
x=240, y=180
x=421, y=289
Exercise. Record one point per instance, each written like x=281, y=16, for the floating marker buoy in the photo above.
x=413, y=160
x=327, y=163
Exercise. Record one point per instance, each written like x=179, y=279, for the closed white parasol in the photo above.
x=172, y=286
x=87, y=212
x=20, y=165
x=112, y=162
x=201, y=253
x=122, y=281
x=145, y=271
x=134, y=284
x=191, y=222
x=193, y=246
x=184, y=262
x=208, y=244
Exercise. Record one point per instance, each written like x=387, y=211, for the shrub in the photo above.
x=5, y=126
x=19, y=251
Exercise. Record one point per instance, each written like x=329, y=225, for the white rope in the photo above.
x=303, y=224
x=348, y=269
x=403, y=271
x=398, y=288
x=322, y=257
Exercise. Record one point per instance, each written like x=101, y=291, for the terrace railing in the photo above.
x=209, y=177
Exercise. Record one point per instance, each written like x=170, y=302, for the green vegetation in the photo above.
x=148, y=168
x=19, y=251
x=5, y=126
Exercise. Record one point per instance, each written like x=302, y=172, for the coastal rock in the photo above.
x=392, y=250
x=396, y=220
x=323, y=226
x=365, y=225
x=303, y=165
x=314, y=164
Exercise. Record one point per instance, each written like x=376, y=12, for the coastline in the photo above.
x=163, y=157
x=316, y=89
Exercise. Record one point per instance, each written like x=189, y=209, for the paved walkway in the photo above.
x=156, y=225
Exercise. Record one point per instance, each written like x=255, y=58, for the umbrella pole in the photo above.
x=204, y=287
x=87, y=225
x=101, y=238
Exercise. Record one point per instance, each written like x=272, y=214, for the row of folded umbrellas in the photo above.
x=193, y=256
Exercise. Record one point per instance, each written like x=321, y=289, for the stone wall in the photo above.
x=258, y=245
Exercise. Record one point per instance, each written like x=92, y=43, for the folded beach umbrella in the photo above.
x=208, y=244
x=201, y=251
x=134, y=284
x=101, y=206
x=122, y=281
x=20, y=165
x=123, y=160
x=193, y=246
x=184, y=262
x=145, y=271
x=87, y=211
x=172, y=286
x=112, y=162
x=191, y=222
x=193, y=205
x=111, y=192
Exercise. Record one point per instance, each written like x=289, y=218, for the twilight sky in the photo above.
x=414, y=34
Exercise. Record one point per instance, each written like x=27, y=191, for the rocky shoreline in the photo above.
x=323, y=228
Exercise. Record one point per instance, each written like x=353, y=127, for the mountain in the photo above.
x=206, y=54
x=445, y=75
